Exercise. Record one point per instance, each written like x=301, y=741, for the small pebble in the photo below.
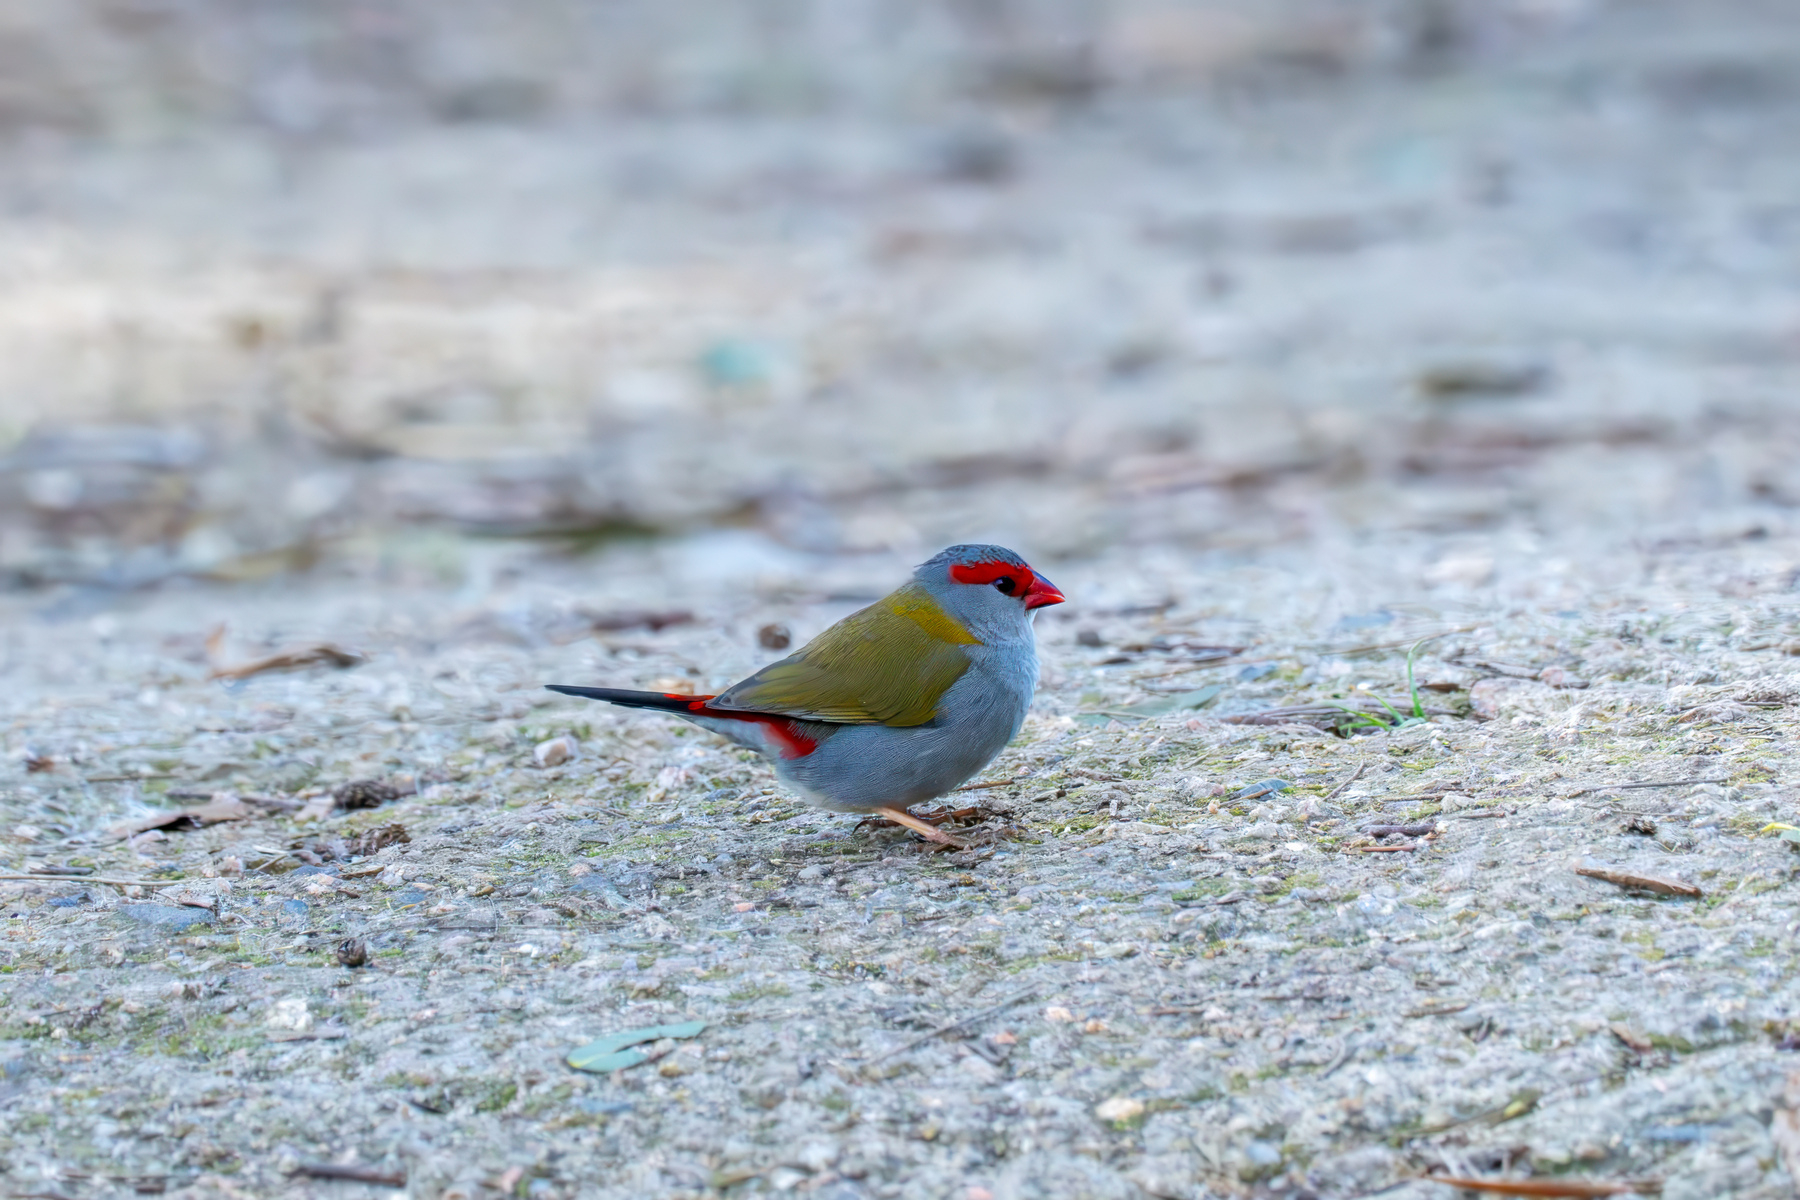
x=555, y=752
x=1119, y=1108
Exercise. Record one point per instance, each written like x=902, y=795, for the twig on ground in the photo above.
x=992, y=783
x=958, y=1024
x=1436, y=1010
x=1575, y=1188
x=324, y=1033
x=1200, y=664
x=88, y=879
x=1620, y=787
x=1515, y=670
x=1337, y=791
x=1405, y=846
x=373, y=1175
x=1333, y=713
x=1419, y=830
x=1409, y=641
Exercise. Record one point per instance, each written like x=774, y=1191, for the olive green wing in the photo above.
x=887, y=664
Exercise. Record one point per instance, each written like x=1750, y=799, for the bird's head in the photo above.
x=983, y=584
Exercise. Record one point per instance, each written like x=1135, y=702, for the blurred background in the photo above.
x=418, y=290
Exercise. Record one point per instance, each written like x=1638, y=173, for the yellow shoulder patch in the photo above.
x=887, y=664
x=918, y=607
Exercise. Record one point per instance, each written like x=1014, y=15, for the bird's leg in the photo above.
x=929, y=832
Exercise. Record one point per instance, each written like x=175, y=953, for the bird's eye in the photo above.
x=1007, y=585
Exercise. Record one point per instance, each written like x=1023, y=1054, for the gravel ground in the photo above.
x=1167, y=987
x=1281, y=344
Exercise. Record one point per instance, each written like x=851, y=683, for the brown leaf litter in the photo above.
x=1647, y=883
x=360, y=845
x=354, y=794
x=310, y=654
x=224, y=806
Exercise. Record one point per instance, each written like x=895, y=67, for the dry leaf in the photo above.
x=1631, y=1037
x=610, y=1053
x=315, y=654
x=1648, y=883
x=223, y=807
x=316, y=809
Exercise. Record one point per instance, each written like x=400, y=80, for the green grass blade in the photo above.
x=1399, y=719
x=1359, y=716
x=1411, y=685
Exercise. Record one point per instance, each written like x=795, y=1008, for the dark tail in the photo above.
x=666, y=701
x=781, y=735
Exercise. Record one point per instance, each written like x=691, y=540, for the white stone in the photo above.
x=289, y=1012
x=1119, y=1108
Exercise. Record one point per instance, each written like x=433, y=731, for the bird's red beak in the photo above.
x=1041, y=593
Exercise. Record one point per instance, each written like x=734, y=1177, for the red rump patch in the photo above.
x=793, y=743
x=987, y=572
x=783, y=731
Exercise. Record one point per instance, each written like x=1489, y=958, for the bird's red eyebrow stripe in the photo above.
x=987, y=572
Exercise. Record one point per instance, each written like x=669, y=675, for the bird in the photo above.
x=899, y=702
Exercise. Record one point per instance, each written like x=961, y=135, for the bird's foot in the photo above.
x=930, y=833
x=961, y=816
